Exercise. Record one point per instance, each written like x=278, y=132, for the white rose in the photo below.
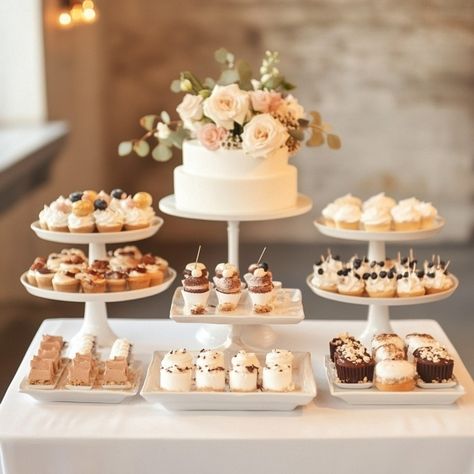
x=263, y=135
x=162, y=131
x=190, y=110
x=226, y=105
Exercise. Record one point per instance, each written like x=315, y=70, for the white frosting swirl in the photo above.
x=381, y=284
x=279, y=356
x=410, y=284
x=427, y=210
x=178, y=360
x=348, y=199
x=57, y=218
x=108, y=217
x=350, y=283
x=330, y=211
x=405, y=213
x=375, y=215
x=77, y=222
x=137, y=216
x=84, y=345
x=380, y=201
x=348, y=213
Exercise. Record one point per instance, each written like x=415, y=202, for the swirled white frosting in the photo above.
x=279, y=356
x=375, y=215
x=120, y=349
x=348, y=199
x=44, y=214
x=350, y=283
x=244, y=359
x=108, y=217
x=381, y=284
x=330, y=211
x=410, y=284
x=427, y=210
x=57, y=218
x=392, y=371
x=380, y=201
x=76, y=222
x=410, y=202
x=348, y=213
x=136, y=216
x=116, y=205
x=405, y=213
x=61, y=204
x=441, y=281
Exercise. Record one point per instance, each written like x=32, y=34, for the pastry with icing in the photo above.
x=434, y=364
x=210, y=371
x=410, y=283
x=395, y=376
x=176, y=371
x=138, y=211
x=138, y=277
x=382, y=284
x=228, y=286
x=38, y=263
x=260, y=287
x=405, y=216
x=117, y=366
x=116, y=280
x=57, y=215
x=437, y=279
x=354, y=364
x=65, y=280
x=196, y=288
x=106, y=218
x=350, y=283
x=380, y=201
x=244, y=373
x=376, y=219
x=92, y=281
x=328, y=214
x=348, y=199
x=348, y=217
x=81, y=218
x=277, y=375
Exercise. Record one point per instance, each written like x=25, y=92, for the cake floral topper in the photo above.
x=236, y=111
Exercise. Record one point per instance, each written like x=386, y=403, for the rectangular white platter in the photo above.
x=288, y=309
x=77, y=395
x=372, y=396
x=304, y=392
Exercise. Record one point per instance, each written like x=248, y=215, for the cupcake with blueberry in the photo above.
x=325, y=272
x=228, y=286
x=434, y=364
x=350, y=283
x=196, y=288
x=81, y=219
x=381, y=284
x=117, y=200
x=260, y=287
x=410, y=283
x=106, y=218
x=359, y=265
x=437, y=279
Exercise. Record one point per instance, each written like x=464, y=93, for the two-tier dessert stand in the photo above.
x=240, y=331
x=378, y=320
x=95, y=313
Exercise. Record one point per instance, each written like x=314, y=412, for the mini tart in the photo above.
x=434, y=364
x=66, y=281
x=116, y=281
x=44, y=278
x=395, y=376
x=92, y=281
x=38, y=263
x=156, y=275
x=138, y=278
x=354, y=364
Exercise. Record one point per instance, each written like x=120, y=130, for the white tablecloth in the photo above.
x=327, y=436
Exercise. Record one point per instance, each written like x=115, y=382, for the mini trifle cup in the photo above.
x=196, y=288
x=260, y=287
x=395, y=376
x=228, y=301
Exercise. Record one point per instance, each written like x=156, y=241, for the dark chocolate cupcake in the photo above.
x=354, y=364
x=434, y=364
x=339, y=340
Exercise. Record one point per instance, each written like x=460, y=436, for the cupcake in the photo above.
x=354, y=364
x=115, y=280
x=43, y=217
x=44, y=278
x=100, y=266
x=65, y=280
x=437, y=280
x=153, y=268
x=416, y=340
x=277, y=374
x=339, y=340
x=260, y=287
x=405, y=217
x=376, y=219
x=125, y=257
x=138, y=278
x=350, y=283
x=410, y=284
x=381, y=284
x=106, y=218
x=137, y=211
x=176, y=371
x=117, y=199
x=54, y=260
x=228, y=286
x=92, y=281
x=325, y=273
x=388, y=352
x=359, y=265
x=196, y=288
x=434, y=364
x=81, y=218
x=244, y=374
x=73, y=251
x=428, y=214
x=39, y=262
x=210, y=371
x=380, y=201
x=348, y=199
x=395, y=376
x=347, y=217
x=70, y=262
x=57, y=217
x=328, y=214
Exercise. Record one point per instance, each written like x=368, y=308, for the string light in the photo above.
x=75, y=12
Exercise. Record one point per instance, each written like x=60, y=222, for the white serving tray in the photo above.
x=288, y=309
x=104, y=297
x=302, y=375
x=372, y=396
x=94, y=395
x=98, y=237
x=389, y=236
x=395, y=301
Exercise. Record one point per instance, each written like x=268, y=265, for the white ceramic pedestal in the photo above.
x=261, y=336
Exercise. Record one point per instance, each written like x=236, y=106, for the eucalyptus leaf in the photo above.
x=229, y=76
x=245, y=75
x=165, y=117
x=316, y=117
x=141, y=148
x=148, y=122
x=334, y=142
x=317, y=139
x=161, y=153
x=125, y=148
x=176, y=86
x=303, y=122
x=297, y=133
x=209, y=83
x=221, y=55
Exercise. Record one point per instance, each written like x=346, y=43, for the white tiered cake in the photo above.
x=229, y=182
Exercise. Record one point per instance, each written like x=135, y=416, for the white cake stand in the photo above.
x=255, y=336
x=95, y=312
x=379, y=315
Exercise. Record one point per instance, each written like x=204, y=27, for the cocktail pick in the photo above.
x=197, y=257
x=261, y=255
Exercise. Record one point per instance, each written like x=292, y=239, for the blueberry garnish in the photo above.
x=381, y=263
x=431, y=264
x=404, y=260
x=336, y=257
x=405, y=275
x=357, y=276
x=420, y=274
x=117, y=193
x=399, y=276
x=390, y=275
x=373, y=275
x=76, y=196
x=100, y=204
x=366, y=276
x=320, y=271
x=383, y=274
x=431, y=275
x=263, y=265
x=340, y=272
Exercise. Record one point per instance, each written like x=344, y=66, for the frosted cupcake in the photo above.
x=380, y=201
x=437, y=280
x=406, y=217
x=244, y=374
x=116, y=280
x=410, y=284
x=350, y=283
x=359, y=265
x=228, y=286
x=138, y=211
x=72, y=262
x=416, y=340
x=138, y=278
x=117, y=199
x=395, y=376
x=39, y=262
x=65, y=280
x=260, y=287
x=381, y=284
x=176, y=371
x=328, y=214
x=428, y=214
x=376, y=219
x=278, y=371
x=57, y=216
x=348, y=199
x=106, y=218
x=210, y=371
x=125, y=257
x=347, y=217
x=81, y=218
x=196, y=288
x=92, y=281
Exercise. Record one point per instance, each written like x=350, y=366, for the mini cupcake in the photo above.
x=138, y=278
x=154, y=269
x=57, y=217
x=176, y=371
x=115, y=280
x=39, y=262
x=383, y=339
x=92, y=281
x=328, y=214
x=43, y=217
x=100, y=266
x=81, y=219
x=380, y=201
x=44, y=278
x=434, y=364
x=395, y=376
x=416, y=340
x=69, y=262
x=410, y=284
x=228, y=286
x=324, y=279
x=210, y=371
x=359, y=265
x=66, y=281
x=244, y=374
x=350, y=283
x=117, y=199
x=354, y=364
x=339, y=340
x=348, y=199
x=106, y=218
x=376, y=219
x=406, y=217
x=196, y=287
x=137, y=211
x=278, y=371
x=428, y=214
x=125, y=257
x=388, y=352
x=437, y=280
x=54, y=260
x=73, y=251
x=381, y=284
x=347, y=217
x=260, y=287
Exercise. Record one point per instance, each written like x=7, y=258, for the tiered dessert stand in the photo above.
x=379, y=308
x=95, y=313
x=240, y=326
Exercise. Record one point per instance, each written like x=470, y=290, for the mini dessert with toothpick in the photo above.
x=410, y=283
x=228, y=286
x=350, y=283
x=106, y=218
x=381, y=284
x=196, y=287
x=437, y=278
x=138, y=211
x=260, y=287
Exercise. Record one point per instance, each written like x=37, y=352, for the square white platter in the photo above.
x=288, y=309
x=373, y=396
x=95, y=394
x=305, y=391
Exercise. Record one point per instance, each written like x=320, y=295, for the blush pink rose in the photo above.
x=211, y=136
x=265, y=102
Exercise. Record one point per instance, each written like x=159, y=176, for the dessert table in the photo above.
x=325, y=436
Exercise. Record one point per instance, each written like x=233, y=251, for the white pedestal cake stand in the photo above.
x=95, y=313
x=257, y=335
x=379, y=314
